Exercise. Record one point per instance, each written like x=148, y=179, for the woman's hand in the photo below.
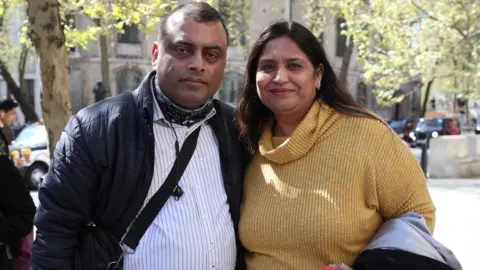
x=340, y=266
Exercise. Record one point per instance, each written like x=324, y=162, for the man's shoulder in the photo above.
x=94, y=120
x=227, y=109
x=105, y=109
x=3, y=146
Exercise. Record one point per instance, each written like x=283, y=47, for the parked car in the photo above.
x=30, y=154
x=431, y=128
x=403, y=128
x=477, y=126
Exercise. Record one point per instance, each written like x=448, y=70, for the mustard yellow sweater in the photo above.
x=319, y=196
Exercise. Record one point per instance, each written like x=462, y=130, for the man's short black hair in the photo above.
x=199, y=11
x=8, y=104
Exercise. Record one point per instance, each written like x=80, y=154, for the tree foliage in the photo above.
x=15, y=54
x=399, y=41
x=109, y=15
x=236, y=14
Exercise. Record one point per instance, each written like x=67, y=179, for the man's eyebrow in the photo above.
x=184, y=43
x=213, y=47
x=190, y=44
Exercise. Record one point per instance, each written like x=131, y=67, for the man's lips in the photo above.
x=194, y=80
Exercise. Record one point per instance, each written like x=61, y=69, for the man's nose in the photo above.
x=197, y=62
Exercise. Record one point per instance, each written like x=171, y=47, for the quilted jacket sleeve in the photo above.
x=64, y=200
x=16, y=206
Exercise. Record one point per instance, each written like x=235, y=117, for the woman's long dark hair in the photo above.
x=252, y=115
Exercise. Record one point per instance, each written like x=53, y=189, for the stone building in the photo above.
x=130, y=58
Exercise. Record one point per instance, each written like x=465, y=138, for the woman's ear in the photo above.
x=318, y=76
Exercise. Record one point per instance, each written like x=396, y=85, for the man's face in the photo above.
x=190, y=60
x=7, y=118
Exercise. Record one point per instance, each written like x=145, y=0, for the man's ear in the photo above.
x=155, y=49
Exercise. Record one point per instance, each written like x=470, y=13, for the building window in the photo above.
x=3, y=90
x=341, y=39
x=226, y=8
x=128, y=80
x=70, y=23
x=29, y=88
x=413, y=102
x=362, y=94
x=130, y=35
x=231, y=84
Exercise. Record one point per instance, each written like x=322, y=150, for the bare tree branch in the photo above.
x=438, y=20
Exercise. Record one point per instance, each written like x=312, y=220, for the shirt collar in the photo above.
x=158, y=114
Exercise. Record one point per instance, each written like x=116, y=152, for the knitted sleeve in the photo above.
x=400, y=181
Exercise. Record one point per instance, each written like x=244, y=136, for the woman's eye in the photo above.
x=268, y=67
x=294, y=65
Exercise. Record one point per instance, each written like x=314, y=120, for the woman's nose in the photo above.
x=281, y=76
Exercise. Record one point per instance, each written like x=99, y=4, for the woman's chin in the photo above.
x=283, y=108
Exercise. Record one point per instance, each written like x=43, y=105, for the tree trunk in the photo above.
x=46, y=33
x=426, y=96
x=105, y=65
x=27, y=109
x=21, y=68
x=346, y=62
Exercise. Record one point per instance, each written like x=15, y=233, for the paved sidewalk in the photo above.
x=458, y=218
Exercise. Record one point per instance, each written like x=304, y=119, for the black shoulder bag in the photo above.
x=100, y=250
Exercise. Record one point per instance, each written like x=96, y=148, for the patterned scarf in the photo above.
x=177, y=114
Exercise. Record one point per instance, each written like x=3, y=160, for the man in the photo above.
x=114, y=155
x=16, y=206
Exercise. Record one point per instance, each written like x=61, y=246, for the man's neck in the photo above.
x=178, y=114
x=167, y=99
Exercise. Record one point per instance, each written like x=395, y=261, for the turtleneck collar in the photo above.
x=317, y=124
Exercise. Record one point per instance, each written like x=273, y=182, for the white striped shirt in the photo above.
x=196, y=232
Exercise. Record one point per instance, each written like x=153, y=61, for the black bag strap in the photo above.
x=155, y=204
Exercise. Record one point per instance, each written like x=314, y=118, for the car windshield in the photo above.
x=398, y=125
x=32, y=135
x=430, y=123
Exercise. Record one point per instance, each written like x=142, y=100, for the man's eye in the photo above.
x=212, y=55
x=181, y=49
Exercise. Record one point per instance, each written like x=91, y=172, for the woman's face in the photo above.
x=286, y=79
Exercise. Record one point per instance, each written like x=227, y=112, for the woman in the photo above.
x=16, y=205
x=325, y=173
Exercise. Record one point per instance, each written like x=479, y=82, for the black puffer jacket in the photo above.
x=16, y=208
x=102, y=169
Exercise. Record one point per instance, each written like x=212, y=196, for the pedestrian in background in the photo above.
x=17, y=208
